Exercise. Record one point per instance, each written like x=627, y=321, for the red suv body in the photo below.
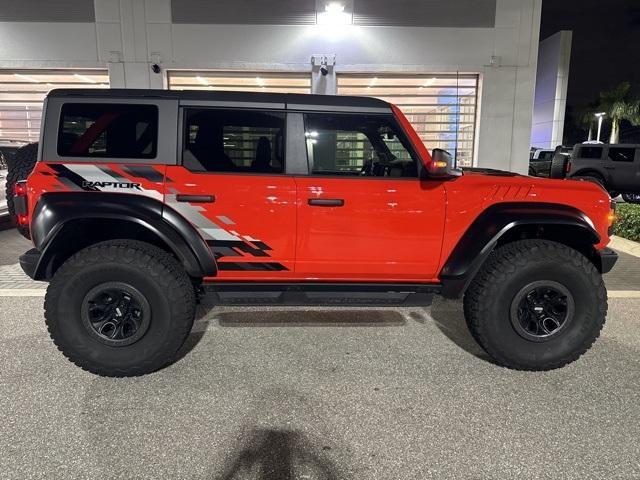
x=288, y=193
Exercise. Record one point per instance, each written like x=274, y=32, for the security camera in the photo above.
x=155, y=68
x=324, y=70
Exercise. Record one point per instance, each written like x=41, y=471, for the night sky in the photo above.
x=606, y=45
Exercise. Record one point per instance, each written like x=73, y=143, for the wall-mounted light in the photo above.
x=334, y=13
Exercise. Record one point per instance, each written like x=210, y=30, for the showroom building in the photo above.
x=463, y=71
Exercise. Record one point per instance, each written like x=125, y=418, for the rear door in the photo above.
x=625, y=175
x=363, y=213
x=233, y=187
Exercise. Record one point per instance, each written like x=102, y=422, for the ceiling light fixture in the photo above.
x=334, y=14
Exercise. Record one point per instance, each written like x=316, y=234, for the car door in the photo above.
x=232, y=186
x=363, y=213
x=625, y=175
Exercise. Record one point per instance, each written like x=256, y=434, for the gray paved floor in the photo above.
x=12, y=245
x=356, y=394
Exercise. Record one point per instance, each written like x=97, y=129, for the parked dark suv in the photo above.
x=615, y=167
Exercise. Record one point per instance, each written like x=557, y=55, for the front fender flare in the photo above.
x=482, y=236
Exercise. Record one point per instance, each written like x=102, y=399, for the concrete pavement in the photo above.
x=264, y=393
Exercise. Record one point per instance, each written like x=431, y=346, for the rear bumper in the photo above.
x=29, y=262
x=608, y=259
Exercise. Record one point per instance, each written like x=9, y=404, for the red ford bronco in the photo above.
x=143, y=200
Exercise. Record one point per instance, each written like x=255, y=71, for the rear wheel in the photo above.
x=593, y=178
x=120, y=308
x=536, y=305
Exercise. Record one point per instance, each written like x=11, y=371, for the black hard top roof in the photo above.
x=241, y=97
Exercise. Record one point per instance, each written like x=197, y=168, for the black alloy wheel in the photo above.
x=116, y=314
x=542, y=310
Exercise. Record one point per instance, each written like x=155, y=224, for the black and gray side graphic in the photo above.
x=226, y=243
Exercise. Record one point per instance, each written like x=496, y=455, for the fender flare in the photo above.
x=482, y=236
x=55, y=210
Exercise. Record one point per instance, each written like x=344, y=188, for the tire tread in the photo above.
x=161, y=267
x=505, y=261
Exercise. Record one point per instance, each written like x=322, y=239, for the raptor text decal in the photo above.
x=87, y=184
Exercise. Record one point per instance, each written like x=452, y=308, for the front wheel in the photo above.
x=631, y=197
x=120, y=308
x=536, y=305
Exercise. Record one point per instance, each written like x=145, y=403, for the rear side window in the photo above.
x=108, y=130
x=618, y=154
x=240, y=141
x=591, y=152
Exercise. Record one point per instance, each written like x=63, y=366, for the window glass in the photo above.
x=546, y=156
x=242, y=141
x=108, y=130
x=591, y=152
x=618, y=154
x=357, y=145
x=442, y=108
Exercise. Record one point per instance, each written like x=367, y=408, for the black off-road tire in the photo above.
x=154, y=274
x=598, y=180
x=558, y=167
x=631, y=197
x=488, y=304
x=19, y=168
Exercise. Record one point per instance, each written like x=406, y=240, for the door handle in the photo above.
x=196, y=198
x=326, y=202
x=609, y=167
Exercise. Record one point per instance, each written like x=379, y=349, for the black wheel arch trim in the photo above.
x=55, y=210
x=483, y=235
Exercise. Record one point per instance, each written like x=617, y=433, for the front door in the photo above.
x=232, y=187
x=363, y=213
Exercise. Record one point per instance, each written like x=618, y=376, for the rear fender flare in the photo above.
x=57, y=210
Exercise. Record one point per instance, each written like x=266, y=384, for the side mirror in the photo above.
x=441, y=165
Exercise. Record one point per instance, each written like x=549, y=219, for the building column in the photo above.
x=132, y=36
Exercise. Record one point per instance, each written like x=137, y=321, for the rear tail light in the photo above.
x=568, y=168
x=20, y=189
x=20, y=203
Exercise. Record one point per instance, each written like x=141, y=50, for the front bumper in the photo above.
x=29, y=262
x=608, y=259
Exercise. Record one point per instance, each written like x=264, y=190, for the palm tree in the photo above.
x=618, y=105
x=584, y=117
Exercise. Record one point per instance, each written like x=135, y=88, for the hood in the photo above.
x=489, y=171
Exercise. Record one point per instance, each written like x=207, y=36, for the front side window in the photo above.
x=618, y=154
x=241, y=141
x=591, y=152
x=357, y=145
x=108, y=130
